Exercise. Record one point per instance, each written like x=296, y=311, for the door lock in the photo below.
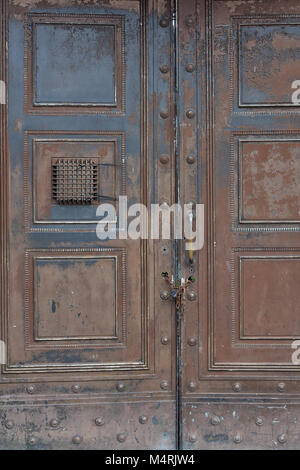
x=177, y=288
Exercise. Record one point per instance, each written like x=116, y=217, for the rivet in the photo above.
x=77, y=439
x=215, y=420
x=189, y=21
x=190, y=68
x=192, y=437
x=282, y=438
x=164, y=340
x=31, y=389
x=237, y=439
x=192, y=341
x=164, y=295
x=76, y=388
x=143, y=419
x=164, y=68
x=190, y=159
x=164, y=114
x=121, y=437
x=237, y=387
x=54, y=423
x=164, y=159
x=164, y=385
x=32, y=441
x=259, y=421
x=9, y=424
x=164, y=22
x=99, y=421
x=192, y=386
x=191, y=295
x=281, y=387
x=164, y=204
x=190, y=114
x=120, y=387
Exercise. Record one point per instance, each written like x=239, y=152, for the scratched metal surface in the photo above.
x=90, y=334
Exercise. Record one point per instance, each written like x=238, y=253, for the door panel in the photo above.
x=81, y=317
x=246, y=135
x=97, y=357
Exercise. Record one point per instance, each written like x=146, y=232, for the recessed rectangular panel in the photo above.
x=74, y=63
x=269, y=58
x=75, y=297
x=269, y=181
x=269, y=297
x=68, y=175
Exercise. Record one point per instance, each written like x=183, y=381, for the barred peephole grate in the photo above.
x=74, y=181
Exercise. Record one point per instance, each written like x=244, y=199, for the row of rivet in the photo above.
x=121, y=437
x=238, y=438
x=191, y=295
x=192, y=341
x=237, y=386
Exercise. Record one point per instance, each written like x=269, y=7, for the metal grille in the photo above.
x=74, y=181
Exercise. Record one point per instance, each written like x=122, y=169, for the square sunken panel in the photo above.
x=269, y=181
x=268, y=63
x=269, y=297
x=74, y=64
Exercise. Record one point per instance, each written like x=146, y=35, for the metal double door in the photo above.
x=162, y=103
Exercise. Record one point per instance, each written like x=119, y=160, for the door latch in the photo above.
x=178, y=289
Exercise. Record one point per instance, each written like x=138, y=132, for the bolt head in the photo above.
x=237, y=439
x=164, y=385
x=121, y=437
x=191, y=295
x=190, y=68
x=164, y=68
x=282, y=438
x=9, y=424
x=192, y=437
x=31, y=389
x=99, y=421
x=281, y=387
x=190, y=159
x=164, y=340
x=215, y=420
x=164, y=159
x=164, y=22
x=259, y=421
x=164, y=114
x=77, y=439
x=192, y=341
x=237, y=387
x=54, y=423
x=76, y=388
x=120, y=387
x=192, y=386
x=164, y=295
x=190, y=114
x=143, y=419
x=32, y=441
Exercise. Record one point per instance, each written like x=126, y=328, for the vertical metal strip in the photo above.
x=3, y=168
x=177, y=244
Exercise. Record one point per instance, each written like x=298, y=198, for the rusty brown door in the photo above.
x=159, y=101
x=90, y=355
x=240, y=156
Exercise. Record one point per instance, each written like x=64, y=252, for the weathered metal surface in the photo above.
x=81, y=317
x=240, y=157
x=99, y=425
x=241, y=426
x=86, y=319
